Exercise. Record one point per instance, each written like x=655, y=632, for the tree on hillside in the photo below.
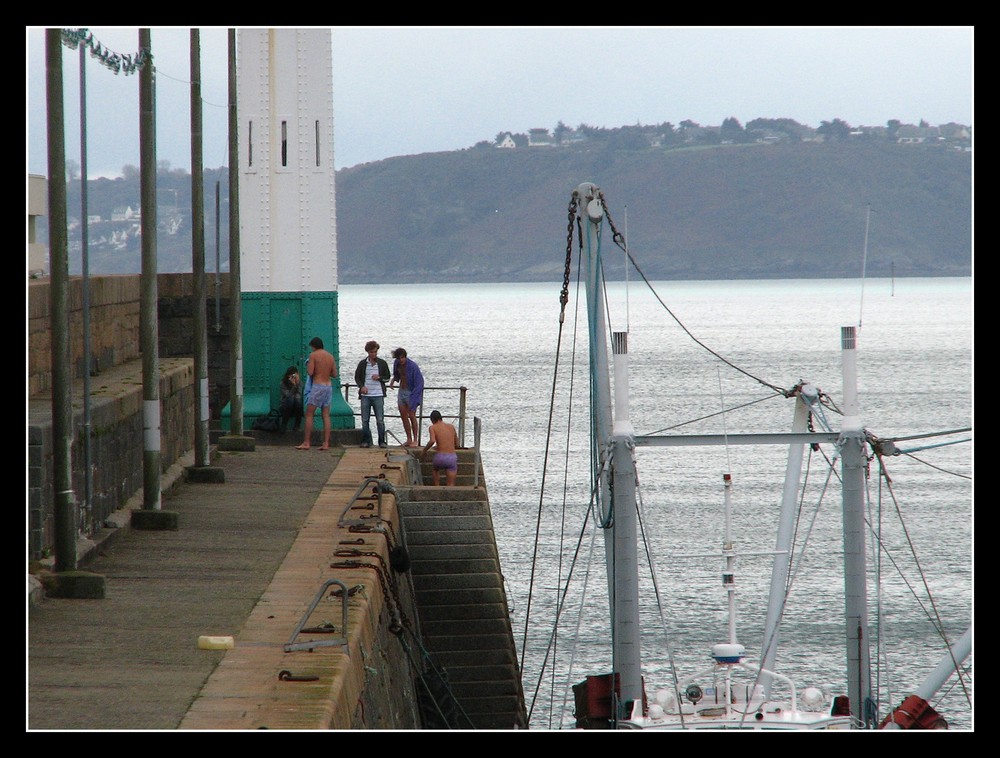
x=731, y=130
x=592, y=132
x=836, y=130
x=559, y=131
x=628, y=138
x=788, y=126
x=668, y=135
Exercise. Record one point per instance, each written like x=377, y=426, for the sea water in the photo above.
x=705, y=358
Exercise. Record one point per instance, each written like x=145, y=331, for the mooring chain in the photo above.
x=391, y=536
x=389, y=591
x=352, y=553
x=617, y=237
x=564, y=295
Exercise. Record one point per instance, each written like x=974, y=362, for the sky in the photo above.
x=409, y=90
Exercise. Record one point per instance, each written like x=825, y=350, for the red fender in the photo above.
x=915, y=713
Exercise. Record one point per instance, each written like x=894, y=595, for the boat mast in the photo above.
x=853, y=465
x=786, y=531
x=589, y=202
x=619, y=506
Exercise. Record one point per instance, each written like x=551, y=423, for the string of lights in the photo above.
x=128, y=63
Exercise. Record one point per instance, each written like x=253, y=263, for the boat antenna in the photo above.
x=725, y=432
x=864, y=263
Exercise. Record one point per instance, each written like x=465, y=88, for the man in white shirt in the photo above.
x=371, y=375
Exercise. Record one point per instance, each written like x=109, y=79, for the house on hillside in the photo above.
x=695, y=134
x=507, y=142
x=768, y=136
x=955, y=132
x=916, y=135
x=124, y=214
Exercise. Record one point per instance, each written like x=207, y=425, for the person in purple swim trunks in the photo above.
x=444, y=436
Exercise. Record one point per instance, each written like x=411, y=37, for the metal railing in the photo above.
x=459, y=416
x=477, y=433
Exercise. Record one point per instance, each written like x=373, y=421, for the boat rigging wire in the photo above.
x=640, y=507
x=579, y=621
x=936, y=617
x=628, y=323
x=563, y=514
x=619, y=240
x=561, y=603
x=710, y=415
x=962, y=430
x=563, y=300
x=937, y=468
x=881, y=647
x=886, y=446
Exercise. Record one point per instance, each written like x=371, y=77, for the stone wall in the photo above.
x=116, y=448
x=115, y=328
x=116, y=392
x=175, y=294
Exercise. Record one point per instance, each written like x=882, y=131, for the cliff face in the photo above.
x=489, y=215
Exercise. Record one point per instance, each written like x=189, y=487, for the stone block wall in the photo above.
x=114, y=327
x=115, y=336
x=175, y=293
x=116, y=447
x=116, y=384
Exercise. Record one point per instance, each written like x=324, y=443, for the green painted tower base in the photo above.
x=277, y=328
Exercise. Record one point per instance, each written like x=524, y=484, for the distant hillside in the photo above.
x=723, y=212
x=719, y=212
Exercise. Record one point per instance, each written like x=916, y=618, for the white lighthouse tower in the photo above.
x=288, y=218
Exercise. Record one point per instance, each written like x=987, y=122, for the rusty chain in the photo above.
x=564, y=295
x=388, y=589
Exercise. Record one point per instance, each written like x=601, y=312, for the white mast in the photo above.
x=627, y=632
x=786, y=529
x=853, y=468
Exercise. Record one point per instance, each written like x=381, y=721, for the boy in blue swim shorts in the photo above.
x=322, y=369
x=444, y=436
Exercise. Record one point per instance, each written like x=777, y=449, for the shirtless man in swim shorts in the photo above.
x=445, y=437
x=323, y=369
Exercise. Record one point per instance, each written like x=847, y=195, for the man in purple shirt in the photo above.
x=411, y=393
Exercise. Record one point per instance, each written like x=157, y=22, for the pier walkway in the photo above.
x=132, y=659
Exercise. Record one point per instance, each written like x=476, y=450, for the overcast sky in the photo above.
x=407, y=90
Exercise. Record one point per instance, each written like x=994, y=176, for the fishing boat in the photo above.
x=734, y=689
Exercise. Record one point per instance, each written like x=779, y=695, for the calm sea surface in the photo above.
x=914, y=364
